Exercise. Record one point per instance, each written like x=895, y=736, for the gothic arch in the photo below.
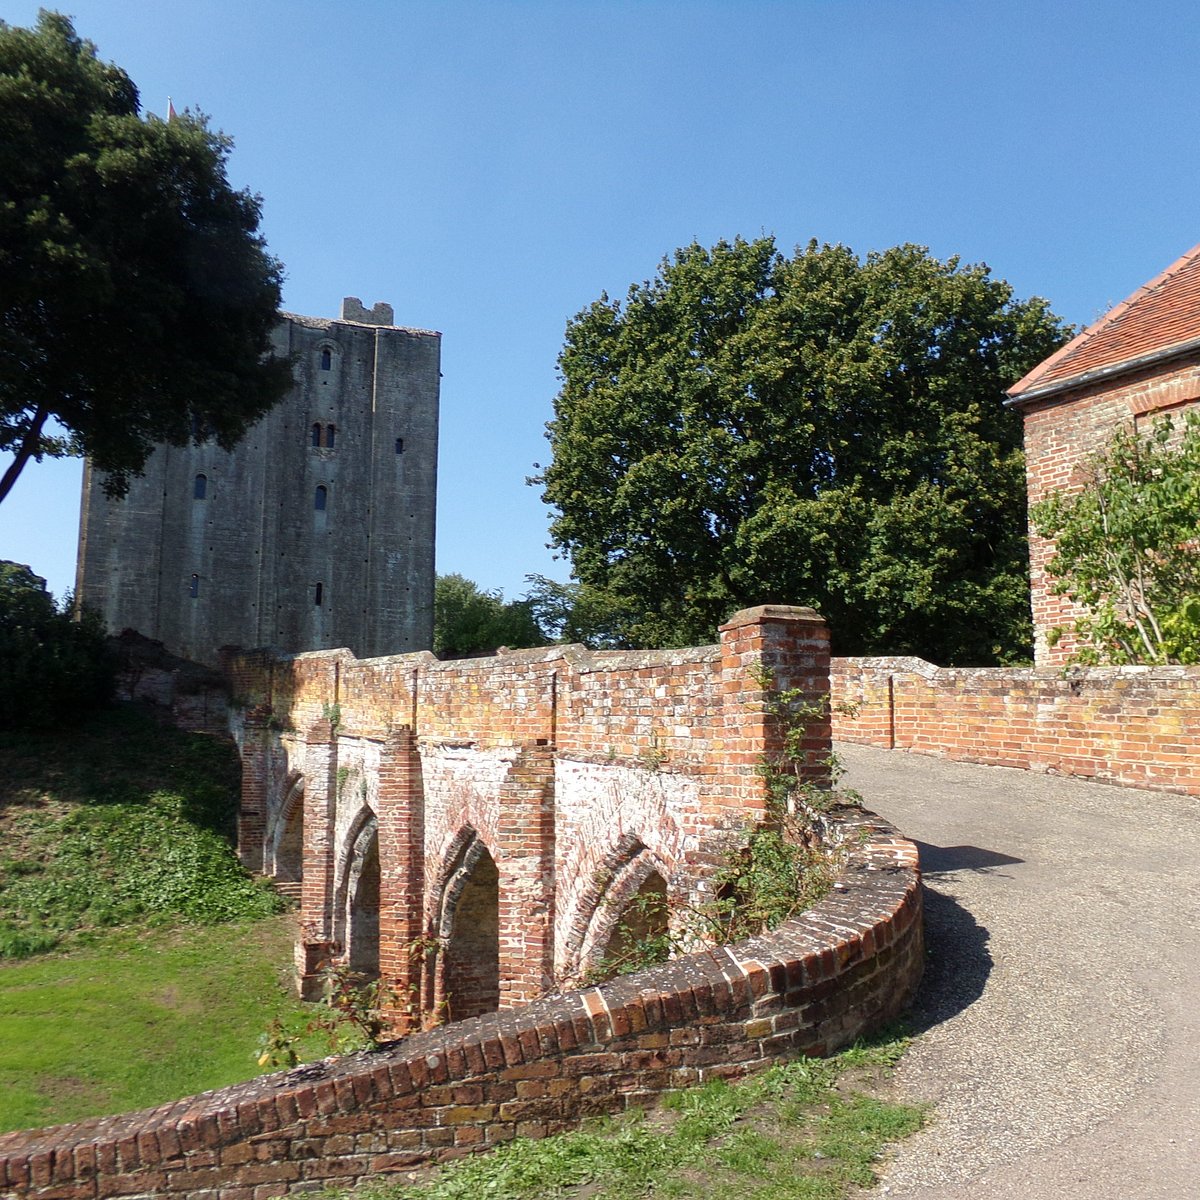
x=285, y=836
x=628, y=869
x=356, y=899
x=467, y=923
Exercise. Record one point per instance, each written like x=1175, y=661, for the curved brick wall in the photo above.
x=814, y=984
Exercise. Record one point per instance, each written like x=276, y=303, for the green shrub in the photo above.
x=53, y=669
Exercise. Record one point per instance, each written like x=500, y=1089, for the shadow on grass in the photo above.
x=121, y=755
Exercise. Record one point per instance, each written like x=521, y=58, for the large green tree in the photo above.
x=749, y=427
x=137, y=296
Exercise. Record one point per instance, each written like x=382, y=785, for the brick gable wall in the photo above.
x=1060, y=433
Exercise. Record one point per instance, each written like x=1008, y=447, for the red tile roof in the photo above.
x=1160, y=317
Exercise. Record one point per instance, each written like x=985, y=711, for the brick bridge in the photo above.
x=507, y=810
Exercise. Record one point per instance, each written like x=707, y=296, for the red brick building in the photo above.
x=1138, y=362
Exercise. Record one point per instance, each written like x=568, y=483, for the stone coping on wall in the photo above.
x=820, y=980
x=579, y=656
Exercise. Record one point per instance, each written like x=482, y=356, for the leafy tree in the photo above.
x=52, y=669
x=1127, y=547
x=138, y=296
x=468, y=620
x=574, y=612
x=750, y=428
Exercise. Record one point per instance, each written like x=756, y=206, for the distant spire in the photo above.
x=170, y=110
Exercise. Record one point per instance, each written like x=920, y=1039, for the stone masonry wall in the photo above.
x=1131, y=725
x=817, y=982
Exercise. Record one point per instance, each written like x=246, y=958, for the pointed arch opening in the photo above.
x=469, y=929
x=287, y=844
x=623, y=914
x=356, y=905
x=362, y=950
x=639, y=935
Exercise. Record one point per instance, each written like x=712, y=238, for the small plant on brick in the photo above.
x=645, y=936
x=423, y=954
x=333, y=714
x=774, y=876
x=351, y=1017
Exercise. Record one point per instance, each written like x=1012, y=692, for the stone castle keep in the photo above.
x=316, y=531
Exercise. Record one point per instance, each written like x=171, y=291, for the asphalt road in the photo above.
x=1061, y=1002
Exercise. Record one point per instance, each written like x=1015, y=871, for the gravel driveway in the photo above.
x=1061, y=1000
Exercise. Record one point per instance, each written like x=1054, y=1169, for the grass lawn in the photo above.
x=138, y=961
x=139, y=1019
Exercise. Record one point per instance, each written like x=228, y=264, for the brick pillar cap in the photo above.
x=772, y=612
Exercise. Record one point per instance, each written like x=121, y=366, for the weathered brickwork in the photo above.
x=1060, y=433
x=474, y=830
x=1139, y=361
x=1131, y=725
x=817, y=982
x=315, y=531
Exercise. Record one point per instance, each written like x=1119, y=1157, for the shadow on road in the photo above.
x=957, y=962
x=939, y=860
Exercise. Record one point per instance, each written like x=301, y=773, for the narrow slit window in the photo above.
x=399, y=445
x=321, y=499
x=326, y=359
x=330, y=435
x=194, y=587
x=200, y=487
x=316, y=434
x=318, y=594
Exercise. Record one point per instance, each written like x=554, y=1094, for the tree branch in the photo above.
x=30, y=444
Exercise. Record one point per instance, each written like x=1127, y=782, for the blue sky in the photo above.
x=490, y=168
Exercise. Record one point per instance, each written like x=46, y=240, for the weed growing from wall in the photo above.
x=781, y=867
x=353, y=1014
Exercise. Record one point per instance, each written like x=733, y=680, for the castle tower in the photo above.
x=316, y=531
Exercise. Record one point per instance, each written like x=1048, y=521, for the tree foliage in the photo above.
x=749, y=428
x=53, y=670
x=468, y=620
x=1127, y=547
x=138, y=296
x=574, y=612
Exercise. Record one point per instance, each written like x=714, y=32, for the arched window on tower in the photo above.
x=326, y=359
x=316, y=434
x=330, y=434
x=321, y=498
x=200, y=487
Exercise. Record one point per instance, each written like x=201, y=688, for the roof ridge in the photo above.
x=1100, y=326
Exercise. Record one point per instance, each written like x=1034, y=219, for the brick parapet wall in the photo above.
x=1137, y=726
x=1060, y=433
x=817, y=982
x=565, y=764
